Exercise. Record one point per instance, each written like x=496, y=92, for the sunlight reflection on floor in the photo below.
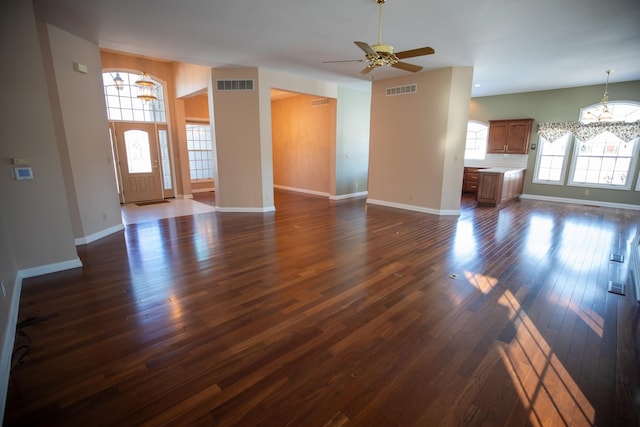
x=543, y=384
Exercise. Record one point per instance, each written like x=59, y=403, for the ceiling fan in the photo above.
x=381, y=54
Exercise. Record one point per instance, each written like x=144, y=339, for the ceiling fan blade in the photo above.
x=367, y=49
x=415, y=52
x=367, y=70
x=346, y=60
x=407, y=67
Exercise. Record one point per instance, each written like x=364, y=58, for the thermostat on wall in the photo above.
x=21, y=173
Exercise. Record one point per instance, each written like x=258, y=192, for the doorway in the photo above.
x=139, y=160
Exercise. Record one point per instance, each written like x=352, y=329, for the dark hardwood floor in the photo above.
x=335, y=313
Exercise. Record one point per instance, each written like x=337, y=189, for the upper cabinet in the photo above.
x=509, y=136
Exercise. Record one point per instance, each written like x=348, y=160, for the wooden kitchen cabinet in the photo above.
x=509, y=136
x=499, y=185
x=470, y=180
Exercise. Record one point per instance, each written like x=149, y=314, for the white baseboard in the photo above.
x=99, y=235
x=9, y=336
x=413, y=207
x=349, y=196
x=302, y=190
x=50, y=268
x=581, y=202
x=247, y=210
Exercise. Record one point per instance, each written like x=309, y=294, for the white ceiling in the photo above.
x=513, y=45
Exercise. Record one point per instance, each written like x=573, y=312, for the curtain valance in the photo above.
x=585, y=131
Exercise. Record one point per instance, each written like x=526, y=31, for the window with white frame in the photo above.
x=476, y=146
x=605, y=160
x=121, y=97
x=200, y=151
x=550, y=165
x=601, y=160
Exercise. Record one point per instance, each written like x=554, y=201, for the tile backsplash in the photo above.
x=500, y=160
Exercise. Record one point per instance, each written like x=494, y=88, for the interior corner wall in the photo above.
x=86, y=133
x=303, y=137
x=352, y=141
x=35, y=225
x=408, y=152
x=456, y=137
x=190, y=79
x=36, y=211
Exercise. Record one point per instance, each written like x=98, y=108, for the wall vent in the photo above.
x=235, y=84
x=319, y=102
x=402, y=90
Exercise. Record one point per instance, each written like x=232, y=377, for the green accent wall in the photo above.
x=558, y=106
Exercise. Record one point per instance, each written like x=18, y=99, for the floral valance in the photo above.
x=585, y=131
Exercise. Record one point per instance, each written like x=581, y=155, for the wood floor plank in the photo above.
x=336, y=313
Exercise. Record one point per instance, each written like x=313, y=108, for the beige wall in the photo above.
x=456, y=137
x=85, y=135
x=239, y=181
x=557, y=106
x=415, y=140
x=270, y=79
x=37, y=213
x=303, y=138
x=35, y=227
x=190, y=79
x=197, y=107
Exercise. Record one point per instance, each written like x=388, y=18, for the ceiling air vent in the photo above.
x=319, y=102
x=235, y=84
x=402, y=90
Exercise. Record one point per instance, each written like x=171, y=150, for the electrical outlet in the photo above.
x=586, y=192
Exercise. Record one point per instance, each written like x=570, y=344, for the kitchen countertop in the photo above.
x=500, y=170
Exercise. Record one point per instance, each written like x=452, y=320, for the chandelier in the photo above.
x=146, y=88
x=605, y=115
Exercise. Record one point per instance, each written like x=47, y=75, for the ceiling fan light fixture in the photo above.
x=380, y=54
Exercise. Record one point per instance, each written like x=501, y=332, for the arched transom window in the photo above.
x=123, y=102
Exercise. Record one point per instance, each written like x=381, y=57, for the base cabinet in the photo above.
x=496, y=187
x=470, y=180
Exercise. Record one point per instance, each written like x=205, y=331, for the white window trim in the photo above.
x=632, y=168
x=634, y=157
x=563, y=173
x=484, y=152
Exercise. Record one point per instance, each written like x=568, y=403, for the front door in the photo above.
x=138, y=156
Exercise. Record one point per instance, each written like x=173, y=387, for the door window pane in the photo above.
x=138, y=151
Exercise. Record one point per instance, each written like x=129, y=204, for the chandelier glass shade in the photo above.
x=146, y=88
